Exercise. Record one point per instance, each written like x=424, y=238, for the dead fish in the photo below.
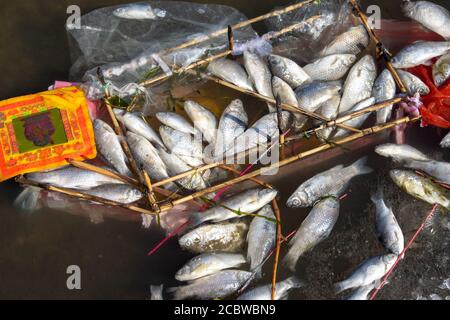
x=72, y=178
x=263, y=131
x=421, y=188
x=207, y=264
x=204, y=120
x=139, y=11
x=329, y=110
x=260, y=75
x=136, y=124
x=359, y=83
x=121, y=193
x=369, y=271
x=362, y=293
x=413, y=83
x=216, y=286
x=109, y=146
x=219, y=237
x=261, y=237
x=384, y=89
x=175, y=121
x=175, y=166
x=231, y=71
x=288, y=71
x=387, y=228
x=429, y=14
x=181, y=143
x=244, y=203
x=316, y=227
x=418, y=53
x=332, y=182
x=232, y=124
x=312, y=96
x=445, y=143
x=329, y=68
x=437, y=169
x=441, y=70
x=148, y=159
x=358, y=121
x=156, y=292
x=353, y=41
x=400, y=152
x=265, y=292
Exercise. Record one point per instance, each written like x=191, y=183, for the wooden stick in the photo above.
x=292, y=159
x=382, y=49
x=83, y=196
x=276, y=209
x=231, y=40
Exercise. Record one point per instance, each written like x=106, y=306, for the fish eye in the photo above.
x=295, y=202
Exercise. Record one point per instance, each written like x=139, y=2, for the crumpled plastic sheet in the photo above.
x=127, y=50
x=303, y=45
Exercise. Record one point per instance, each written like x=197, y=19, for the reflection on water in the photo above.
x=36, y=249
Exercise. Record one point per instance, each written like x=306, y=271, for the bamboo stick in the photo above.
x=276, y=209
x=83, y=196
x=292, y=159
x=382, y=49
x=255, y=180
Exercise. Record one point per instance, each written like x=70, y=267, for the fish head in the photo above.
x=184, y=272
x=190, y=240
x=384, y=150
x=133, y=194
x=267, y=195
x=297, y=200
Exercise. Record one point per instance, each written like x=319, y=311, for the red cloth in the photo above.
x=436, y=109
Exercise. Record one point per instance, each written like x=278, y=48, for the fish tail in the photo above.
x=294, y=282
x=360, y=167
x=377, y=196
x=290, y=260
x=341, y=286
x=156, y=292
x=28, y=199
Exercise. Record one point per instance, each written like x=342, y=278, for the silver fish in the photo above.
x=72, y=178
x=216, y=286
x=421, y=188
x=175, y=121
x=263, y=131
x=204, y=120
x=367, y=272
x=429, y=14
x=384, y=89
x=207, y=264
x=288, y=71
x=232, y=124
x=246, y=202
x=313, y=95
x=176, y=166
x=231, y=71
x=219, y=237
x=332, y=67
x=316, y=227
x=400, y=152
x=156, y=292
x=437, y=169
x=441, y=70
x=121, y=193
x=329, y=110
x=362, y=293
x=265, y=292
x=358, y=121
x=181, y=143
x=260, y=75
x=109, y=146
x=283, y=91
x=353, y=41
x=332, y=182
x=387, y=228
x=419, y=53
x=445, y=143
x=139, y=11
x=261, y=237
x=359, y=83
x=136, y=124
x=147, y=157
x=413, y=83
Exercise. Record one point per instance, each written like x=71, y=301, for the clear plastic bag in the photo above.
x=126, y=42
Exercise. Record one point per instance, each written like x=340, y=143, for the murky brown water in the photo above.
x=35, y=249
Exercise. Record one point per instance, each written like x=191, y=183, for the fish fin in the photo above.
x=28, y=199
x=361, y=167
